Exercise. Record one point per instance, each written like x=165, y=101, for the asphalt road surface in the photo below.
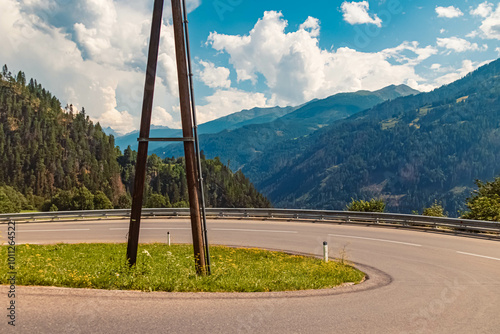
x=419, y=282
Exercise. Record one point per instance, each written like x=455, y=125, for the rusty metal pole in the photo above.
x=187, y=132
x=142, y=154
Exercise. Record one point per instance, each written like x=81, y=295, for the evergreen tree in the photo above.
x=6, y=205
x=101, y=201
x=156, y=201
x=83, y=199
x=484, y=203
x=435, y=210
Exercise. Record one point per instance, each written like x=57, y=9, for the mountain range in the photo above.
x=406, y=147
x=229, y=122
x=409, y=151
x=240, y=145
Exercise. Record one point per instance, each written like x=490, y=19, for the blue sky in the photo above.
x=92, y=53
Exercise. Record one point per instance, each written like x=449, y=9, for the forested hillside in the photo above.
x=409, y=151
x=58, y=159
x=167, y=177
x=253, y=140
x=43, y=149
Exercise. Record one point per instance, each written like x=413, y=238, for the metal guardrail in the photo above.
x=375, y=218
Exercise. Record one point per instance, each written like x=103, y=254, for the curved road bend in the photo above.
x=420, y=283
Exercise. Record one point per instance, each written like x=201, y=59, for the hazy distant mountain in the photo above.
x=410, y=151
x=246, y=143
x=130, y=139
x=243, y=118
x=230, y=122
x=109, y=131
x=319, y=113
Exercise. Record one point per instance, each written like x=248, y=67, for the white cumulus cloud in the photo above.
x=435, y=66
x=472, y=34
x=449, y=12
x=459, y=44
x=456, y=74
x=111, y=33
x=312, y=25
x=214, y=77
x=228, y=101
x=484, y=9
x=490, y=26
x=167, y=63
x=296, y=69
x=160, y=116
x=120, y=121
x=357, y=13
x=95, y=57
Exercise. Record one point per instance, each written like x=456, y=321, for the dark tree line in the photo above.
x=167, y=177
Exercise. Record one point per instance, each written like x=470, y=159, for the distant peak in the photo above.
x=393, y=91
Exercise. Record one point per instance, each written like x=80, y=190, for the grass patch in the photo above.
x=389, y=123
x=163, y=268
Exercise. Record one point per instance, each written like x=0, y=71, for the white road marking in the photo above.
x=373, y=239
x=477, y=255
x=249, y=230
x=151, y=228
x=60, y=230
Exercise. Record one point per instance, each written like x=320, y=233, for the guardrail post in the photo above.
x=325, y=251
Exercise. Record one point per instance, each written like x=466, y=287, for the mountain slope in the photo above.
x=229, y=122
x=242, y=145
x=410, y=151
x=243, y=118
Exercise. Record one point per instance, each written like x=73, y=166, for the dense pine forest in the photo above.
x=56, y=158
x=167, y=177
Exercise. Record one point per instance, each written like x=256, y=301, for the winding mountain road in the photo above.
x=419, y=282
